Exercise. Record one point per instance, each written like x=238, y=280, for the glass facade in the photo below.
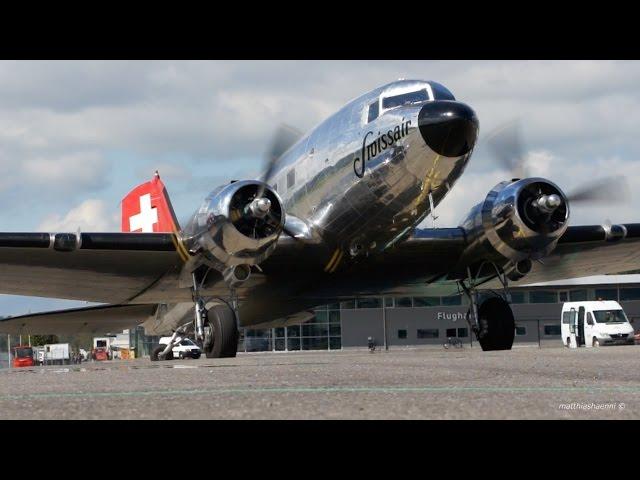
x=606, y=294
x=518, y=297
x=143, y=344
x=453, y=300
x=543, y=296
x=428, y=333
x=322, y=332
x=426, y=301
x=578, y=295
x=630, y=294
x=404, y=302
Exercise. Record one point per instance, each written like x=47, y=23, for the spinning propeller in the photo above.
x=260, y=207
x=506, y=145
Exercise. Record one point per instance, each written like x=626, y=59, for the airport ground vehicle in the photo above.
x=52, y=354
x=22, y=356
x=595, y=323
x=103, y=342
x=100, y=354
x=183, y=348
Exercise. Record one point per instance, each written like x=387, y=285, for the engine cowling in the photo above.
x=517, y=222
x=234, y=227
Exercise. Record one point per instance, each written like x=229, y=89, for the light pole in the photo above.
x=384, y=322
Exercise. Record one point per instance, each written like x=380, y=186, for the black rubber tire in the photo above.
x=156, y=351
x=497, y=324
x=225, y=332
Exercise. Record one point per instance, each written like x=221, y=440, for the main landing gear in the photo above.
x=216, y=328
x=220, y=332
x=491, y=319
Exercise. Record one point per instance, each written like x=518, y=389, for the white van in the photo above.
x=595, y=323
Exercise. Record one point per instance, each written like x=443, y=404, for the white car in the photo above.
x=184, y=348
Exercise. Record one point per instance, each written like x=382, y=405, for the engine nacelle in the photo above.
x=517, y=222
x=234, y=227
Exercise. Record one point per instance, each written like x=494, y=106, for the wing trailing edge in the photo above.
x=98, y=319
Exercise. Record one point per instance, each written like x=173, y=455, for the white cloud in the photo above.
x=72, y=130
x=90, y=216
x=61, y=121
x=81, y=170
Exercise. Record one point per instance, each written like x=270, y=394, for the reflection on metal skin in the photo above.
x=509, y=228
x=367, y=182
x=228, y=232
x=613, y=233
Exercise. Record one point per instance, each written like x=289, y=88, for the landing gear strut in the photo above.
x=165, y=352
x=492, y=319
x=216, y=328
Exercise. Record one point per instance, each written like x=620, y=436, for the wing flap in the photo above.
x=99, y=319
x=587, y=250
x=99, y=267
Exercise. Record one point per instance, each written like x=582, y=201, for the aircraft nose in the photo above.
x=449, y=128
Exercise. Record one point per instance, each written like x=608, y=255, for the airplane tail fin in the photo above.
x=147, y=208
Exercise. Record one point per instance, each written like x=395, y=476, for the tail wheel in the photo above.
x=497, y=325
x=595, y=342
x=222, y=321
x=568, y=344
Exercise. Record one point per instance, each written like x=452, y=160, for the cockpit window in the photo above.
x=405, y=99
x=440, y=92
x=373, y=111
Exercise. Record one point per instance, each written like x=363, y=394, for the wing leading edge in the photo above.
x=109, y=268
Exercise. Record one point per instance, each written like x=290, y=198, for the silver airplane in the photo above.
x=335, y=216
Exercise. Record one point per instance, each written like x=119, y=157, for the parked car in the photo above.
x=185, y=348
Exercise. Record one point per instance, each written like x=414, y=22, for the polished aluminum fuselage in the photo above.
x=352, y=200
x=366, y=210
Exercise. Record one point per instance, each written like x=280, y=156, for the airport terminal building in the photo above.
x=405, y=322
x=413, y=321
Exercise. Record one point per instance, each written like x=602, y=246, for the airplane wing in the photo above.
x=419, y=264
x=99, y=319
x=118, y=268
x=110, y=268
x=584, y=251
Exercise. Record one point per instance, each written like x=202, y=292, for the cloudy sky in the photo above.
x=76, y=136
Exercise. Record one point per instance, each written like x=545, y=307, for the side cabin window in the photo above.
x=374, y=110
x=291, y=178
x=405, y=99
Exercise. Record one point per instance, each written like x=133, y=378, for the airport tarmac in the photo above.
x=428, y=383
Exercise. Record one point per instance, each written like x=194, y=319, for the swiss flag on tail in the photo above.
x=147, y=208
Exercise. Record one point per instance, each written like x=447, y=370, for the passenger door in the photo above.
x=589, y=329
x=580, y=331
